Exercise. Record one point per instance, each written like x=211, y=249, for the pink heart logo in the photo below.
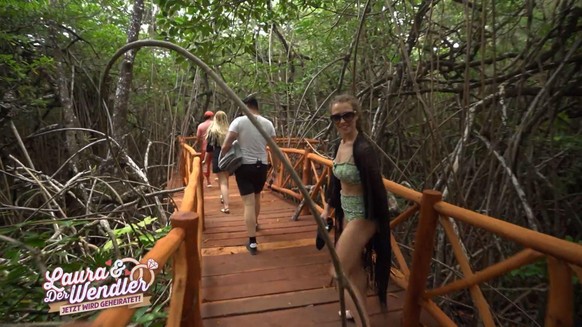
x=108, y=262
x=127, y=272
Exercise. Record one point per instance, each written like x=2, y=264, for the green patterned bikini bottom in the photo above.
x=353, y=207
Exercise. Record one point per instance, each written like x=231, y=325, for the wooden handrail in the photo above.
x=293, y=150
x=567, y=251
x=279, y=140
x=183, y=244
x=294, y=141
x=191, y=176
x=193, y=201
x=184, y=301
x=320, y=160
x=189, y=138
x=161, y=252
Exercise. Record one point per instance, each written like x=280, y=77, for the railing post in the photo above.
x=191, y=316
x=560, y=305
x=306, y=176
x=179, y=278
x=423, y=250
x=277, y=168
x=281, y=169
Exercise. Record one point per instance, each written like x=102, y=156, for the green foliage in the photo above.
x=536, y=270
x=154, y=315
x=135, y=232
x=539, y=270
x=211, y=29
x=21, y=288
x=147, y=317
x=21, y=281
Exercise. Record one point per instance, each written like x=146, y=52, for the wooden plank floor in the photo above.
x=285, y=284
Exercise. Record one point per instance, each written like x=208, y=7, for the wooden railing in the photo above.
x=564, y=258
x=182, y=245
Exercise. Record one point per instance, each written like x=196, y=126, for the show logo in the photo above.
x=106, y=287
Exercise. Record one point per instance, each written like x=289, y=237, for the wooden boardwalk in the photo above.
x=286, y=284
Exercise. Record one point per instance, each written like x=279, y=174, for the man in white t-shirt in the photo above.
x=252, y=174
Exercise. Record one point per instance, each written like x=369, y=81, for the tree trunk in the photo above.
x=61, y=84
x=121, y=101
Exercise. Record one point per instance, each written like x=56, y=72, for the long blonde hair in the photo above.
x=218, y=128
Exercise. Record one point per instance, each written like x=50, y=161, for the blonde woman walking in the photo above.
x=215, y=137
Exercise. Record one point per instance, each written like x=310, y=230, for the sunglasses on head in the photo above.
x=346, y=116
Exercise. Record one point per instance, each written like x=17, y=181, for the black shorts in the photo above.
x=215, y=155
x=251, y=178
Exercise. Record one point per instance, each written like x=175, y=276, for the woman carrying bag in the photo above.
x=215, y=137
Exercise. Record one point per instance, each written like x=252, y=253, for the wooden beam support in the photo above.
x=399, y=256
x=476, y=294
x=411, y=210
x=520, y=259
x=306, y=176
x=295, y=195
x=443, y=320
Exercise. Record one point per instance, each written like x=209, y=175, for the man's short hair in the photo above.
x=251, y=101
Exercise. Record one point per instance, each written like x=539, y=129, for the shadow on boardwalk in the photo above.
x=285, y=284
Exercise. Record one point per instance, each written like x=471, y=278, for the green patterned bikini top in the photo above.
x=347, y=172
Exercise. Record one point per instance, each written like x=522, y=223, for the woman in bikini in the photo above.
x=215, y=136
x=360, y=201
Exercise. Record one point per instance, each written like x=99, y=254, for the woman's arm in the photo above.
x=326, y=211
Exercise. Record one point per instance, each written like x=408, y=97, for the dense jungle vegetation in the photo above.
x=480, y=99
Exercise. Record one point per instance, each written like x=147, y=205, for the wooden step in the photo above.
x=269, y=303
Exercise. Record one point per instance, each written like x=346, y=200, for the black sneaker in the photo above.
x=252, y=247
